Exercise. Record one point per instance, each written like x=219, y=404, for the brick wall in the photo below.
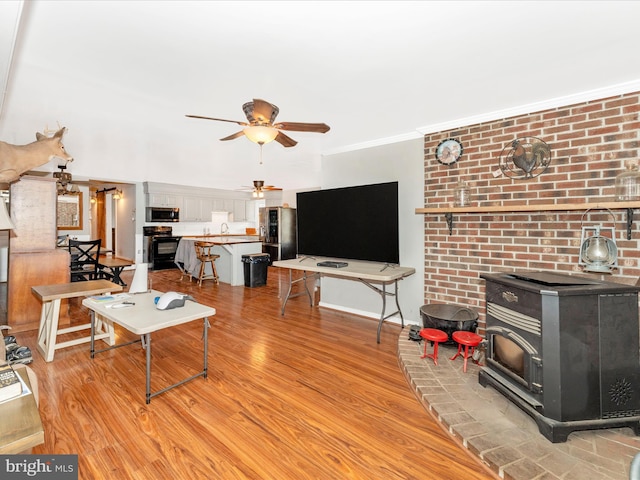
x=590, y=143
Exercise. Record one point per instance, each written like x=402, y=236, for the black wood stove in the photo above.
x=565, y=349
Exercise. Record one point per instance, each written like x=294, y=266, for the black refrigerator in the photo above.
x=278, y=232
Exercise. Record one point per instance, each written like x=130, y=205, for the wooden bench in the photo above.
x=51, y=297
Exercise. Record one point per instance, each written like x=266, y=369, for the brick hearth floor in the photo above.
x=501, y=435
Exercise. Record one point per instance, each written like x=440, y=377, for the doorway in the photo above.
x=113, y=218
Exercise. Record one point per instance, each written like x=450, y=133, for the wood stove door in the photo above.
x=515, y=359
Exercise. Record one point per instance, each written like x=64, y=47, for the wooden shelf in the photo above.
x=543, y=207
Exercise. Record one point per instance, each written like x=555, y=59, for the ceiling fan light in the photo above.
x=260, y=134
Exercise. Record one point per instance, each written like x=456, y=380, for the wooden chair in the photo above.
x=85, y=255
x=203, y=252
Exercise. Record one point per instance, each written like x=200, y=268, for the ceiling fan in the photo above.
x=259, y=188
x=260, y=127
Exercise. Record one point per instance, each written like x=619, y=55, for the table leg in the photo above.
x=306, y=289
x=286, y=297
x=146, y=344
x=116, y=276
x=146, y=340
x=383, y=293
x=205, y=337
x=398, y=305
x=384, y=307
x=48, y=329
x=92, y=316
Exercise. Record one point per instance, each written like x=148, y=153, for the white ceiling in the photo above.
x=122, y=75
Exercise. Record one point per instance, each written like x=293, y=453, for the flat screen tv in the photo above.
x=359, y=223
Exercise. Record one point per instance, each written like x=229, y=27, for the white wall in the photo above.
x=402, y=162
x=125, y=219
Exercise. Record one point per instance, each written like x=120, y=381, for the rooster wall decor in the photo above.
x=525, y=158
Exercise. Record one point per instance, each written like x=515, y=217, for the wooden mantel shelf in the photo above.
x=544, y=207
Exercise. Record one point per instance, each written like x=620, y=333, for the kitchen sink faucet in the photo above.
x=224, y=228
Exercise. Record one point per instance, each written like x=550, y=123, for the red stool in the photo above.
x=435, y=336
x=468, y=339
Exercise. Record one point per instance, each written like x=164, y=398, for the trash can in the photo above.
x=449, y=318
x=255, y=269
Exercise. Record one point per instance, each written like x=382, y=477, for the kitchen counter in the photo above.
x=230, y=247
x=225, y=239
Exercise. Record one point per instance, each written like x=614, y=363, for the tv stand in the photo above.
x=364, y=272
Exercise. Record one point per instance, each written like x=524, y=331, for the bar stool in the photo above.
x=433, y=335
x=468, y=339
x=203, y=252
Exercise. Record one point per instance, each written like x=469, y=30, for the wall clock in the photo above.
x=449, y=151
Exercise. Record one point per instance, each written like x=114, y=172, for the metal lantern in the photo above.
x=598, y=253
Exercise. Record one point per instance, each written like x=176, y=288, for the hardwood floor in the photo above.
x=308, y=395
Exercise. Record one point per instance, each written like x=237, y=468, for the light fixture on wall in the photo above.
x=598, y=252
x=116, y=195
x=63, y=179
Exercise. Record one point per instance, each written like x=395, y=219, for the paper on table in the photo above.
x=109, y=298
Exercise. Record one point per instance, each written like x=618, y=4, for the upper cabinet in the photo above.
x=197, y=203
x=239, y=210
x=164, y=200
x=196, y=209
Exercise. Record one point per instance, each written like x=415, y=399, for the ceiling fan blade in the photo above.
x=234, y=136
x=244, y=124
x=271, y=187
x=303, y=127
x=285, y=141
x=260, y=111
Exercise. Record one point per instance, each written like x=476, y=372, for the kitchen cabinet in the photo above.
x=197, y=209
x=218, y=205
x=227, y=205
x=197, y=203
x=239, y=210
x=164, y=200
x=252, y=210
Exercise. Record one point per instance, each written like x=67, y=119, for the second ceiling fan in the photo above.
x=261, y=128
x=259, y=188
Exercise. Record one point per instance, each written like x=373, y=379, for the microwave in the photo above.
x=159, y=214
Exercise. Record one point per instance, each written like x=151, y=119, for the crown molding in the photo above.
x=587, y=96
x=375, y=143
x=581, y=97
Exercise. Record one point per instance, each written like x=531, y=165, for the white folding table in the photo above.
x=143, y=319
x=368, y=273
